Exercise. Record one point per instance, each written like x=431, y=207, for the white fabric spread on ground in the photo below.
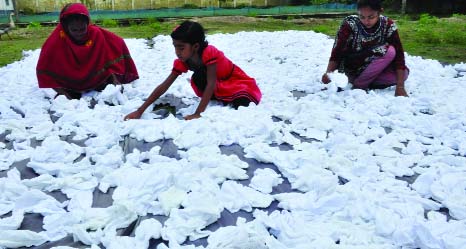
x=350, y=151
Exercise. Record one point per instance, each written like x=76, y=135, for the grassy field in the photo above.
x=442, y=39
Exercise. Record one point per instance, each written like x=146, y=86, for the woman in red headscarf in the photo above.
x=79, y=56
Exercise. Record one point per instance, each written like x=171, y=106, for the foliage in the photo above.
x=424, y=29
x=324, y=29
x=33, y=25
x=109, y=23
x=156, y=26
x=459, y=16
x=316, y=2
x=455, y=37
x=132, y=22
x=252, y=13
x=427, y=19
x=427, y=36
x=189, y=6
x=22, y=39
x=430, y=30
x=150, y=20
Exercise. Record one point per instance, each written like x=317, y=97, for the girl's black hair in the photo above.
x=373, y=4
x=190, y=32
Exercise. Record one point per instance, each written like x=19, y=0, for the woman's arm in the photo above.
x=208, y=92
x=158, y=91
x=338, y=50
x=332, y=66
x=400, y=83
x=399, y=61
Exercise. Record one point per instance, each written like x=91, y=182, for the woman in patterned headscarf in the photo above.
x=368, y=50
x=79, y=56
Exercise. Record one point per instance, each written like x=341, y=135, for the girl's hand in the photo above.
x=400, y=91
x=192, y=116
x=134, y=115
x=325, y=79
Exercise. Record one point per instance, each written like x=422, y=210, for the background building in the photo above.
x=6, y=5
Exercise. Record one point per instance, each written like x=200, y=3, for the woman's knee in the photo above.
x=391, y=52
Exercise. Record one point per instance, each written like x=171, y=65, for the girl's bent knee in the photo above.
x=391, y=52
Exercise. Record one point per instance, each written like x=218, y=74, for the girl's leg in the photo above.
x=387, y=78
x=68, y=93
x=240, y=102
x=374, y=69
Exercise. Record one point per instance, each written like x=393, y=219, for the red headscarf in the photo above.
x=64, y=64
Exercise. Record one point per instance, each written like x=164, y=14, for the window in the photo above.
x=7, y=2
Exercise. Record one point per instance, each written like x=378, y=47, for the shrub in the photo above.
x=323, y=29
x=189, y=6
x=156, y=26
x=459, y=16
x=253, y=14
x=132, y=22
x=455, y=37
x=425, y=28
x=150, y=20
x=426, y=19
x=317, y=2
x=426, y=35
x=33, y=25
x=109, y=23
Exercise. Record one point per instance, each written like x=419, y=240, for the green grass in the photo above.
x=442, y=39
x=21, y=39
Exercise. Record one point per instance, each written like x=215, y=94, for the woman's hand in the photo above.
x=325, y=78
x=134, y=115
x=192, y=116
x=400, y=91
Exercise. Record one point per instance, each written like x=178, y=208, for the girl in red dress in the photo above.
x=214, y=77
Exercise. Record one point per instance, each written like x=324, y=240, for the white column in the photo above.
x=113, y=5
